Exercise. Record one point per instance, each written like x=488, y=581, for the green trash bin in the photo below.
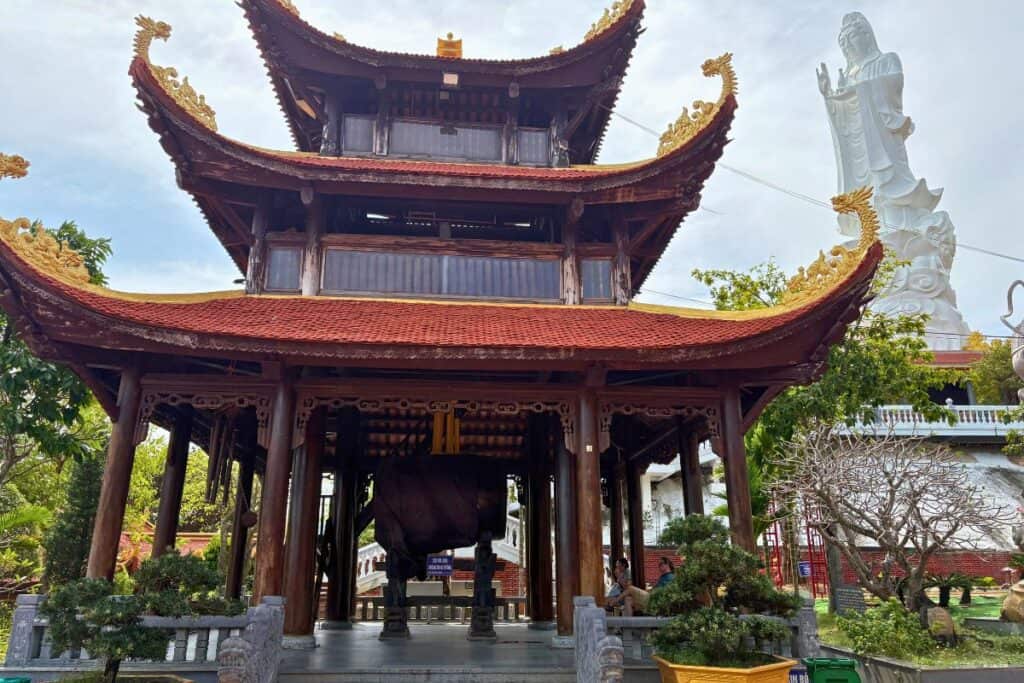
x=822, y=670
x=15, y=680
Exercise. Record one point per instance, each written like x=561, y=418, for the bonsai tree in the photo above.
x=717, y=596
x=87, y=614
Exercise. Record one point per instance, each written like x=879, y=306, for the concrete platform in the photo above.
x=437, y=652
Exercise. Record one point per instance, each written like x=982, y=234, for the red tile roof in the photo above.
x=433, y=324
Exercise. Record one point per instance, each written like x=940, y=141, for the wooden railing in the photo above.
x=440, y=608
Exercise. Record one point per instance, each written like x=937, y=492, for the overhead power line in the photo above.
x=797, y=195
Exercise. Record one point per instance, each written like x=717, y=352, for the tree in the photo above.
x=144, y=492
x=40, y=402
x=880, y=360
x=908, y=497
x=992, y=375
x=67, y=541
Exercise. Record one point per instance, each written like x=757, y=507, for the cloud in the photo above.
x=70, y=110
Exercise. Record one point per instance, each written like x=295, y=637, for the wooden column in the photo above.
x=239, y=528
x=566, y=563
x=615, y=477
x=572, y=289
x=315, y=217
x=634, y=504
x=331, y=141
x=300, y=552
x=255, y=273
x=270, y=539
x=689, y=469
x=737, y=485
x=588, y=489
x=117, y=473
x=622, y=284
x=539, y=519
x=173, y=484
x=340, y=593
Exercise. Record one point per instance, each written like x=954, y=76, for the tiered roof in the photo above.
x=300, y=58
x=213, y=167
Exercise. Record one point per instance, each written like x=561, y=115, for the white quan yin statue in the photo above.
x=869, y=132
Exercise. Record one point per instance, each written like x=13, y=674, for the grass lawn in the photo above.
x=977, y=649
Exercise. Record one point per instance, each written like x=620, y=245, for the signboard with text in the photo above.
x=440, y=565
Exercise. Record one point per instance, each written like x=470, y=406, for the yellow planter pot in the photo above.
x=777, y=672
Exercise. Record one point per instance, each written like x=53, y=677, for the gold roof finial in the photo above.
x=449, y=48
x=182, y=91
x=827, y=271
x=610, y=16
x=13, y=166
x=290, y=6
x=42, y=250
x=689, y=124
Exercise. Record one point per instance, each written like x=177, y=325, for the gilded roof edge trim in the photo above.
x=690, y=124
x=181, y=91
x=13, y=166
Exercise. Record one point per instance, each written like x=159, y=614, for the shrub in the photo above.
x=714, y=584
x=986, y=582
x=86, y=612
x=887, y=630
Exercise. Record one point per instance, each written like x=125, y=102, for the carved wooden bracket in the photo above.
x=310, y=401
x=656, y=409
x=205, y=400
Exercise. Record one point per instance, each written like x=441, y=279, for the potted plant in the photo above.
x=87, y=614
x=721, y=604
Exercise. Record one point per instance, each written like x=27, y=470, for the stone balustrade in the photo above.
x=978, y=421
x=244, y=648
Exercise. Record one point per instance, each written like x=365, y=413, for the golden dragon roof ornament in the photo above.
x=13, y=166
x=182, y=91
x=611, y=15
x=828, y=271
x=689, y=124
x=42, y=250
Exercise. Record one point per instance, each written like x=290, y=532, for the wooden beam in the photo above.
x=634, y=505
x=571, y=285
x=588, y=514
x=117, y=474
x=566, y=559
x=689, y=468
x=649, y=227
x=622, y=280
x=239, y=526
x=300, y=555
x=255, y=274
x=616, y=475
x=346, y=476
x=173, y=484
x=737, y=484
x=243, y=231
x=269, y=578
x=315, y=218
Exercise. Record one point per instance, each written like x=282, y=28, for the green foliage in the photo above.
x=6, y=621
x=888, y=630
x=87, y=612
x=21, y=524
x=986, y=582
x=67, y=540
x=992, y=375
x=40, y=402
x=713, y=585
x=144, y=492
x=880, y=360
x=762, y=287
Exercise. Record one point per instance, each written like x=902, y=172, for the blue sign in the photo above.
x=805, y=569
x=440, y=565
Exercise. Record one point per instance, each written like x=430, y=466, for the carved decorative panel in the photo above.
x=655, y=409
x=205, y=400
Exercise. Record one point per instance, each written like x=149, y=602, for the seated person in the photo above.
x=665, y=569
x=631, y=600
x=621, y=569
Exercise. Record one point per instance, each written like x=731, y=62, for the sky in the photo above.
x=70, y=110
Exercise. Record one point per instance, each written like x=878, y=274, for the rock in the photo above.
x=940, y=625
